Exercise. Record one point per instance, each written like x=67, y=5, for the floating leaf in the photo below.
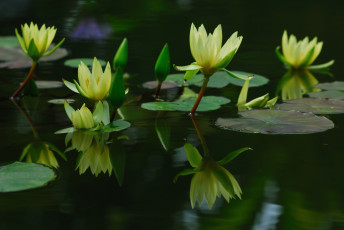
x=61, y=101
x=276, y=122
x=49, y=84
x=336, y=85
x=115, y=126
x=15, y=58
x=317, y=106
x=219, y=80
x=331, y=94
x=165, y=85
x=74, y=63
x=208, y=103
x=20, y=176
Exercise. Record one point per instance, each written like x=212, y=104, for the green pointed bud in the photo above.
x=117, y=91
x=121, y=56
x=162, y=65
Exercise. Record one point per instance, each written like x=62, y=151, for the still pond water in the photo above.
x=288, y=181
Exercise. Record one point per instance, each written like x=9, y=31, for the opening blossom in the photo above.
x=300, y=54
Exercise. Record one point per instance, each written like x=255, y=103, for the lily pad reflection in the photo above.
x=165, y=85
x=317, y=106
x=20, y=176
x=276, y=122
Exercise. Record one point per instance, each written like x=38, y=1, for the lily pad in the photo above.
x=336, y=85
x=317, y=106
x=165, y=85
x=276, y=122
x=61, y=101
x=9, y=41
x=15, y=58
x=20, y=176
x=49, y=84
x=74, y=63
x=208, y=103
x=331, y=94
x=219, y=80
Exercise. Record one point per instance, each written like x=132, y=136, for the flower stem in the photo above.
x=157, y=91
x=200, y=136
x=200, y=95
x=21, y=87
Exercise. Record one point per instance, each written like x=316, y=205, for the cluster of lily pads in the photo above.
x=105, y=89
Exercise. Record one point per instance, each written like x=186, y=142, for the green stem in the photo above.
x=200, y=94
x=200, y=136
x=157, y=91
x=21, y=87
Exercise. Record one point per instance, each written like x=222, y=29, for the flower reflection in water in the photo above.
x=295, y=83
x=210, y=179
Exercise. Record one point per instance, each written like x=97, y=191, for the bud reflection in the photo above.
x=295, y=83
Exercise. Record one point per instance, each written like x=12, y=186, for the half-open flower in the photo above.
x=83, y=118
x=94, y=85
x=35, y=42
x=208, y=52
x=300, y=54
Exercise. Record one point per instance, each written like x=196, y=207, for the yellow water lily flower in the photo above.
x=300, y=54
x=95, y=85
x=208, y=52
x=35, y=42
x=82, y=118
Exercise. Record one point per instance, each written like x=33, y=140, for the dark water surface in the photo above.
x=288, y=181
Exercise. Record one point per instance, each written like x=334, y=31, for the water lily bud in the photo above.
x=82, y=118
x=95, y=85
x=35, y=42
x=121, y=56
x=162, y=65
x=117, y=90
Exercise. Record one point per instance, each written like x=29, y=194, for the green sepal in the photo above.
x=106, y=113
x=230, y=156
x=281, y=57
x=185, y=172
x=194, y=157
x=33, y=51
x=163, y=130
x=221, y=175
x=308, y=57
x=238, y=76
x=271, y=103
x=70, y=85
x=68, y=109
x=121, y=56
x=79, y=89
x=190, y=73
x=258, y=102
x=117, y=91
x=55, y=149
x=321, y=66
x=188, y=67
x=162, y=65
x=98, y=113
x=21, y=41
x=55, y=48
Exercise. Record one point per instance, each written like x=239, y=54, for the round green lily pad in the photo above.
x=208, y=103
x=61, y=101
x=331, y=94
x=165, y=85
x=74, y=63
x=9, y=41
x=276, y=122
x=336, y=85
x=20, y=176
x=317, y=106
x=219, y=79
x=49, y=84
